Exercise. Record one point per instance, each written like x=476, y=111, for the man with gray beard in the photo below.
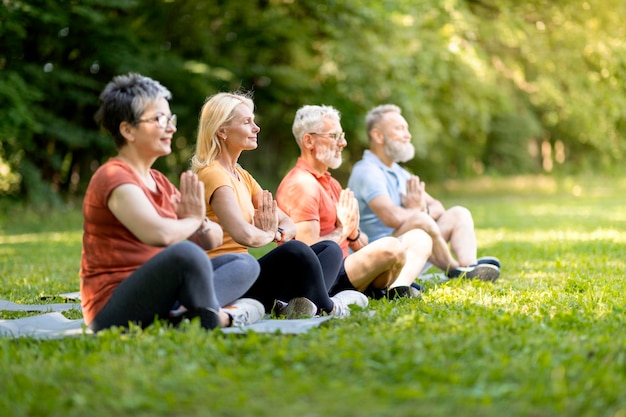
x=392, y=201
x=322, y=210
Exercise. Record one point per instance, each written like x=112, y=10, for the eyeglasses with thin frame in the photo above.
x=335, y=136
x=162, y=120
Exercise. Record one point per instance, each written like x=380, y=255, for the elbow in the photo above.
x=159, y=241
x=248, y=238
x=159, y=238
x=393, y=222
x=213, y=239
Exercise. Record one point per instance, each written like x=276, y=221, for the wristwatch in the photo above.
x=281, y=232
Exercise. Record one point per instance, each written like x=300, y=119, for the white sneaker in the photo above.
x=344, y=299
x=296, y=308
x=245, y=311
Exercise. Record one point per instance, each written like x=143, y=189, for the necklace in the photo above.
x=233, y=173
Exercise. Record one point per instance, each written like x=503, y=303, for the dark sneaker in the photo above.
x=375, y=293
x=209, y=318
x=413, y=291
x=245, y=311
x=296, y=308
x=483, y=272
x=492, y=260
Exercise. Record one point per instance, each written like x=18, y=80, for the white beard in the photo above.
x=399, y=152
x=328, y=158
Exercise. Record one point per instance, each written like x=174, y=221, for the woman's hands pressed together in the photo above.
x=191, y=203
x=266, y=214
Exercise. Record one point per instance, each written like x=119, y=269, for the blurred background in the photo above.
x=489, y=87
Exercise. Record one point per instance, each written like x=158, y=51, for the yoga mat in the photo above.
x=56, y=325
x=11, y=306
x=43, y=326
x=280, y=326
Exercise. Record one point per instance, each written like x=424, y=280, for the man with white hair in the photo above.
x=321, y=210
x=393, y=202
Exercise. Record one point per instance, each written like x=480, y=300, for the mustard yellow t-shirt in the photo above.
x=215, y=176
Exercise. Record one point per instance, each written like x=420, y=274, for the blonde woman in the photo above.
x=294, y=277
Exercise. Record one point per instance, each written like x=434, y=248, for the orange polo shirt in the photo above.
x=306, y=195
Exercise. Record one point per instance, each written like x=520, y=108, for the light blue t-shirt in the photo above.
x=370, y=178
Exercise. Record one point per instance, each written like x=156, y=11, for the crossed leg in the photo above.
x=389, y=262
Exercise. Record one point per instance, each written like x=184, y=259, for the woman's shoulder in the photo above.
x=113, y=168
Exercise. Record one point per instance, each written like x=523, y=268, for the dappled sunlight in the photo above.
x=533, y=184
x=66, y=237
x=490, y=238
x=577, y=298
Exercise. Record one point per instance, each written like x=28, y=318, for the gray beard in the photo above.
x=399, y=152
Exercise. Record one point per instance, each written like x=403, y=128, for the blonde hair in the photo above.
x=218, y=110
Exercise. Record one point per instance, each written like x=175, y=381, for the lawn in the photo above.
x=547, y=339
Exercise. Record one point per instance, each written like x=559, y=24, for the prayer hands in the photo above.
x=348, y=212
x=415, y=197
x=266, y=213
x=191, y=202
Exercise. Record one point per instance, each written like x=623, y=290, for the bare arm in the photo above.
x=399, y=218
x=131, y=207
x=309, y=232
x=225, y=205
x=347, y=225
x=435, y=207
x=417, y=198
x=209, y=235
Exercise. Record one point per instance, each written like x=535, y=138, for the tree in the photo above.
x=481, y=82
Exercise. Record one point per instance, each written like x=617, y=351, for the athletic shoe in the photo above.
x=209, y=318
x=483, y=272
x=375, y=293
x=489, y=260
x=245, y=311
x=404, y=291
x=296, y=308
x=344, y=299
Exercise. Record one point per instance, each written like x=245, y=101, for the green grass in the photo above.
x=548, y=339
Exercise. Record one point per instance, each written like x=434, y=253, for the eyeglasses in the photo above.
x=162, y=120
x=335, y=136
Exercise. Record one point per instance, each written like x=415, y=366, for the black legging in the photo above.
x=181, y=273
x=295, y=269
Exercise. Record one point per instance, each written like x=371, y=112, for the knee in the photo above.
x=418, y=240
x=247, y=264
x=296, y=248
x=329, y=248
x=296, y=252
x=393, y=249
x=188, y=254
x=460, y=215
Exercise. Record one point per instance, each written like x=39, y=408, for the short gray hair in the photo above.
x=124, y=99
x=311, y=119
x=375, y=115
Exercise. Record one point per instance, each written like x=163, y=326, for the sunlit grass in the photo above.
x=545, y=340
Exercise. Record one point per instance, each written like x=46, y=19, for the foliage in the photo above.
x=494, y=86
x=542, y=341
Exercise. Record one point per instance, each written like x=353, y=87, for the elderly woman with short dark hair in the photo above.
x=143, y=243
